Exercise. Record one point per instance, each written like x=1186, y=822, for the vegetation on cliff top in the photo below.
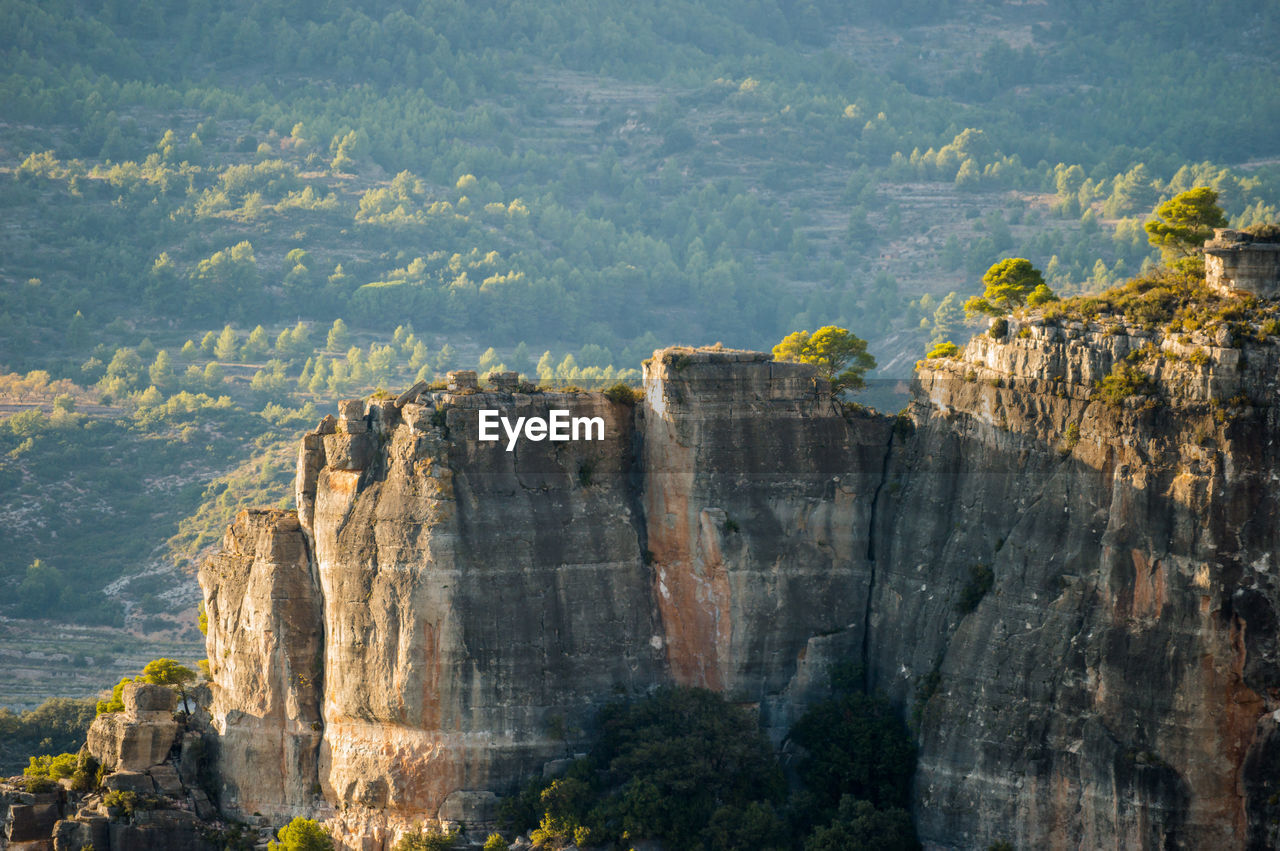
x=840, y=357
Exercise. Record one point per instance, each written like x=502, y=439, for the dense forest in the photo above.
x=220, y=218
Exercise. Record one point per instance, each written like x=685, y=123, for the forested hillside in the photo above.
x=220, y=218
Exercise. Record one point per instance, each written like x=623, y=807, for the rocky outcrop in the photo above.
x=141, y=735
x=1072, y=596
x=266, y=631
x=1240, y=262
x=150, y=796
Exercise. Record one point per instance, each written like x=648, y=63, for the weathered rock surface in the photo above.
x=1109, y=665
x=141, y=735
x=1076, y=599
x=266, y=629
x=757, y=498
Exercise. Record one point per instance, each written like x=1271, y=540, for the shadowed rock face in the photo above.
x=1075, y=600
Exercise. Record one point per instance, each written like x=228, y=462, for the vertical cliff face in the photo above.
x=1074, y=598
x=758, y=493
x=265, y=641
x=1107, y=689
x=478, y=603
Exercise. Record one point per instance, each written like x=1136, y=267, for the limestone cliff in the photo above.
x=1073, y=596
x=1110, y=687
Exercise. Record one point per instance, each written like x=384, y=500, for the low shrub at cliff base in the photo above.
x=302, y=834
x=427, y=840
x=858, y=825
x=682, y=766
x=685, y=767
x=856, y=749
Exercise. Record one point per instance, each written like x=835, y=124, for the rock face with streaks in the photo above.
x=1073, y=596
x=1117, y=678
x=757, y=499
x=265, y=642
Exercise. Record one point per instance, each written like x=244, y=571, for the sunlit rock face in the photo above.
x=1073, y=600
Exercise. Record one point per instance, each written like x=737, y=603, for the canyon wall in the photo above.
x=1071, y=597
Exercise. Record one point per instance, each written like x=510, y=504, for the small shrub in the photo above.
x=495, y=842
x=1123, y=383
x=980, y=581
x=1199, y=357
x=302, y=834
x=1024, y=332
x=427, y=840
x=624, y=394
x=38, y=784
x=124, y=801
x=52, y=767
x=903, y=425
x=947, y=349
x=87, y=775
x=999, y=329
x=1070, y=437
x=926, y=688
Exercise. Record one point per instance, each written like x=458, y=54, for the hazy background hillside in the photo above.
x=193, y=193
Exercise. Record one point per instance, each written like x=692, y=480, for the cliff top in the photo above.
x=1165, y=301
x=1266, y=236
x=684, y=355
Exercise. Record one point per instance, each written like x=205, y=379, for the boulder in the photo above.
x=130, y=781
x=166, y=779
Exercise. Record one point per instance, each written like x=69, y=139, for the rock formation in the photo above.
x=1238, y=262
x=1073, y=596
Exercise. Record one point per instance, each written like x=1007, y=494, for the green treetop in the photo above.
x=1010, y=284
x=168, y=672
x=841, y=357
x=1184, y=222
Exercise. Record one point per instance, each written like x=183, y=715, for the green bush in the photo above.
x=1070, y=438
x=678, y=766
x=857, y=746
x=1124, y=382
x=624, y=394
x=52, y=767
x=495, y=842
x=38, y=784
x=858, y=826
x=946, y=349
x=302, y=834
x=123, y=800
x=427, y=840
